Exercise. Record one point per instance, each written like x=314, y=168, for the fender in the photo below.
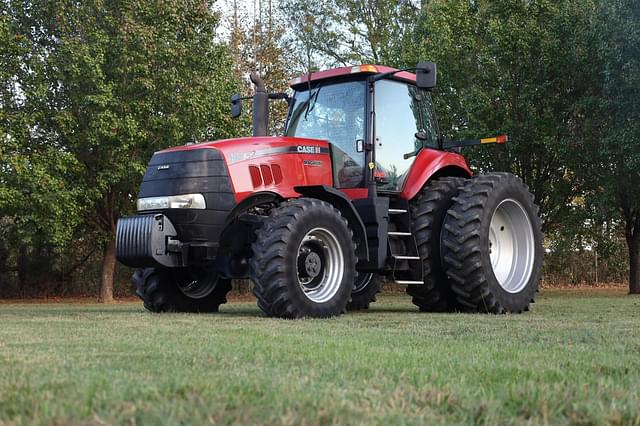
x=254, y=200
x=346, y=207
x=430, y=163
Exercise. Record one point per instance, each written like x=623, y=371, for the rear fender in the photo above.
x=346, y=207
x=429, y=164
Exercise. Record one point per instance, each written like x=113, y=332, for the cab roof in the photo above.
x=354, y=70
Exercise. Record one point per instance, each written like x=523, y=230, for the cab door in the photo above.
x=402, y=111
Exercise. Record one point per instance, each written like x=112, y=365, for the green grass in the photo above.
x=575, y=358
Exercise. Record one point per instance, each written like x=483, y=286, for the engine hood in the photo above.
x=270, y=164
x=250, y=148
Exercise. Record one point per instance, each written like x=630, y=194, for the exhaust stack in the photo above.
x=260, y=106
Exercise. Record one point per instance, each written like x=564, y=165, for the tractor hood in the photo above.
x=266, y=164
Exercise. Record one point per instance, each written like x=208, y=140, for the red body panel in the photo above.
x=341, y=72
x=272, y=164
x=275, y=164
x=429, y=162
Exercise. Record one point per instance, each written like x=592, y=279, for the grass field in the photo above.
x=574, y=359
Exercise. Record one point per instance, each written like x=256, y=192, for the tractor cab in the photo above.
x=367, y=120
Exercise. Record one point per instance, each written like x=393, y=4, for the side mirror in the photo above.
x=426, y=75
x=236, y=105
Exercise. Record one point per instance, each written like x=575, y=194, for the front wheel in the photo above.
x=492, y=244
x=193, y=289
x=365, y=288
x=303, y=261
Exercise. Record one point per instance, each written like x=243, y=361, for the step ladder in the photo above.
x=404, y=261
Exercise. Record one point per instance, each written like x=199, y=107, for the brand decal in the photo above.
x=164, y=167
x=312, y=163
x=309, y=149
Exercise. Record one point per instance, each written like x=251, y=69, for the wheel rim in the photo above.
x=361, y=282
x=196, y=282
x=320, y=265
x=511, y=246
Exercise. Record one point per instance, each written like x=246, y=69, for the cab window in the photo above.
x=336, y=113
x=402, y=110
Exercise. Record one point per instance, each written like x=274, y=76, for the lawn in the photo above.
x=575, y=358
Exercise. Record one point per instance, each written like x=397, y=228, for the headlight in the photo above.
x=187, y=201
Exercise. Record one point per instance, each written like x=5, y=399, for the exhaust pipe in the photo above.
x=260, y=106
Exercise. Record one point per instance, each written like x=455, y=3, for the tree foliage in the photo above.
x=345, y=32
x=516, y=68
x=100, y=86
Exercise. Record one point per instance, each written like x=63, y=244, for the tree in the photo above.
x=611, y=156
x=347, y=32
x=109, y=83
x=38, y=197
x=257, y=44
x=513, y=67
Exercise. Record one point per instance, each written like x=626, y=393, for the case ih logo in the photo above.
x=306, y=149
x=164, y=167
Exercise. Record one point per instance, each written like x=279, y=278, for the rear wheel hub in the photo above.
x=511, y=246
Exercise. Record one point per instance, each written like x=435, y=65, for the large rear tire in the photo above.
x=181, y=289
x=492, y=245
x=428, y=211
x=365, y=289
x=303, y=262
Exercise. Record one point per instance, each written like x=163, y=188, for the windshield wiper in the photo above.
x=312, y=98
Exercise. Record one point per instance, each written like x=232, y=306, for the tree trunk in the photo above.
x=23, y=266
x=634, y=264
x=108, y=270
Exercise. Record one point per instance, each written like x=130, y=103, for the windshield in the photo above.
x=336, y=113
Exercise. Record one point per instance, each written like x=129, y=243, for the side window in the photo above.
x=402, y=110
x=335, y=113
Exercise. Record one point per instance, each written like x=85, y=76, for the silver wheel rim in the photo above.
x=511, y=246
x=361, y=281
x=196, y=284
x=319, y=265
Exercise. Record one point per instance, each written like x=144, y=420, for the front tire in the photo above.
x=181, y=289
x=492, y=245
x=303, y=261
x=365, y=288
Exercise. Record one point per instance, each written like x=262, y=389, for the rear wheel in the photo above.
x=193, y=289
x=365, y=288
x=428, y=211
x=303, y=261
x=492, y=245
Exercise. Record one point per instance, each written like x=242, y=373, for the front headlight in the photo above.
x=187, y=201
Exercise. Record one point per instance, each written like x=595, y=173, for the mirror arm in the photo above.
x=378, y=77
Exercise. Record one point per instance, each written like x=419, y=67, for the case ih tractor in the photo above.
x=362, y=187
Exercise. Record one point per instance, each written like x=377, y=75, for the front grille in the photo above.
x=190, y=171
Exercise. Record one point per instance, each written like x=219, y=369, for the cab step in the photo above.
x=402, y=257
x=399, y=234
x=408, y=282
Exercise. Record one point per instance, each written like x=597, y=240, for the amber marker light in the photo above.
x=498, y=139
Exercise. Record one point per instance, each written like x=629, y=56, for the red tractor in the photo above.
x=362, y=187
